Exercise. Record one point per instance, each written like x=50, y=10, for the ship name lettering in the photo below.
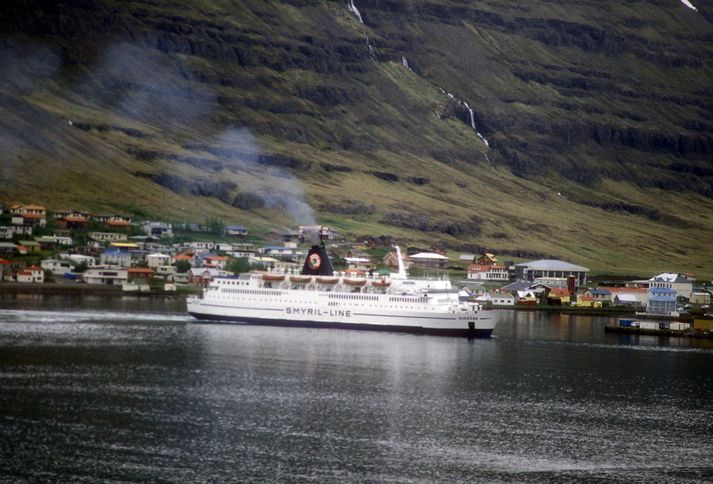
x=344, y=313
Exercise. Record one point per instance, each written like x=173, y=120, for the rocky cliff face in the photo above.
x=514, y=114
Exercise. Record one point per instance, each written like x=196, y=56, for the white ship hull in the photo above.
x=314, y=308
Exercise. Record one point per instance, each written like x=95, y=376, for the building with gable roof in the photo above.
x=529, y=271
x=681, y=283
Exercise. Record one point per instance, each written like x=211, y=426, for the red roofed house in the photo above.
x=33, y=274
x=216, y=262
x=139, y=273
x=29, y=215
x=73, y=223
x=494, y=272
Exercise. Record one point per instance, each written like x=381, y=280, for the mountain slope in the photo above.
x=589, y=137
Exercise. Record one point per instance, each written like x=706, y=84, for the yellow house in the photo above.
x=587, y=302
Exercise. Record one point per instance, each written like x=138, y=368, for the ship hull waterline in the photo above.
x=460, y=332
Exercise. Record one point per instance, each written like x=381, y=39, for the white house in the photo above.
x=31, y=274
x=107, y=236
x=158, y=229
x=529, y=271
x=201, y=246
x=482, y=272
x=109, y=275
x=56, y=266
x=157, y=259
x=77, y=259
x=166, y=272
x=497, y=298
x=428, y=259
x=115, y=257
x=681, y=283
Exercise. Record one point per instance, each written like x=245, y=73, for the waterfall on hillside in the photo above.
x=472, y=123
x=372, y=52
x=352, y=8
x=689, y=5
x=405, y=63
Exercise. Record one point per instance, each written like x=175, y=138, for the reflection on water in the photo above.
x=132, y=390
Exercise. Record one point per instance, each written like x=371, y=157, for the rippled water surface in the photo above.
x=99, y=389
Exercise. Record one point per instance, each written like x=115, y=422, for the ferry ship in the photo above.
x=320, y=297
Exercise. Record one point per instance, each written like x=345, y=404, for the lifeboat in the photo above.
x=300, y=279
x=381, y=283
x=355, y=282
x=273, y=277
x=327, y=280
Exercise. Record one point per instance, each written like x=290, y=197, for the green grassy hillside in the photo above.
x=590, y=136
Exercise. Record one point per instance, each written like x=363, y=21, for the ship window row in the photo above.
x=405, y=299
x=257, y=292
x=231, y=283
x=352, y=297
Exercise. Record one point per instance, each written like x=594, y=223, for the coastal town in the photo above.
x=72, y=248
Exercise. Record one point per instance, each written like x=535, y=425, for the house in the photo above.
x=599, y=295
x=8, y=248
x=115, y=256
x=626, y=299
x=29, y=219
x=6, y=232
x=203, y=275
x=107, y=236
x=681, y=283
x=629, y=296
x=486, y=259
x=32, y=274
x=216, y=261
x=429, y=260
x=21, y=209
x=5, y=270
x=118, y=222
x=484, y=272
x=157, y=259
x=32, y=246
x=391, y=260
x=63, y=214
x=586, y=301
x=204, y=246
x=73, y=223
x=158, y=229
x=236, y=231
x=52, y=241
x=106, y=275
x=359, y=263
x=497, y=298
x=662, y=300
x=76, y=259
x=529, y=271
x=56, y=266
x=526, y=298
x=166, y=272
x=559, y=296
x=288, y=252
x=552, y=282
x=700, y=297
x=141, y=273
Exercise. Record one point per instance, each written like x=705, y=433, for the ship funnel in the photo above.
x=317, y=262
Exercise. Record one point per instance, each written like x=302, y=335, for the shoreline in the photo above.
x=86, y=289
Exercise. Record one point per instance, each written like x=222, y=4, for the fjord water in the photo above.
x=96, y=389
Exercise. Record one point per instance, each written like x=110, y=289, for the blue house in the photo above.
x=662, y=300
